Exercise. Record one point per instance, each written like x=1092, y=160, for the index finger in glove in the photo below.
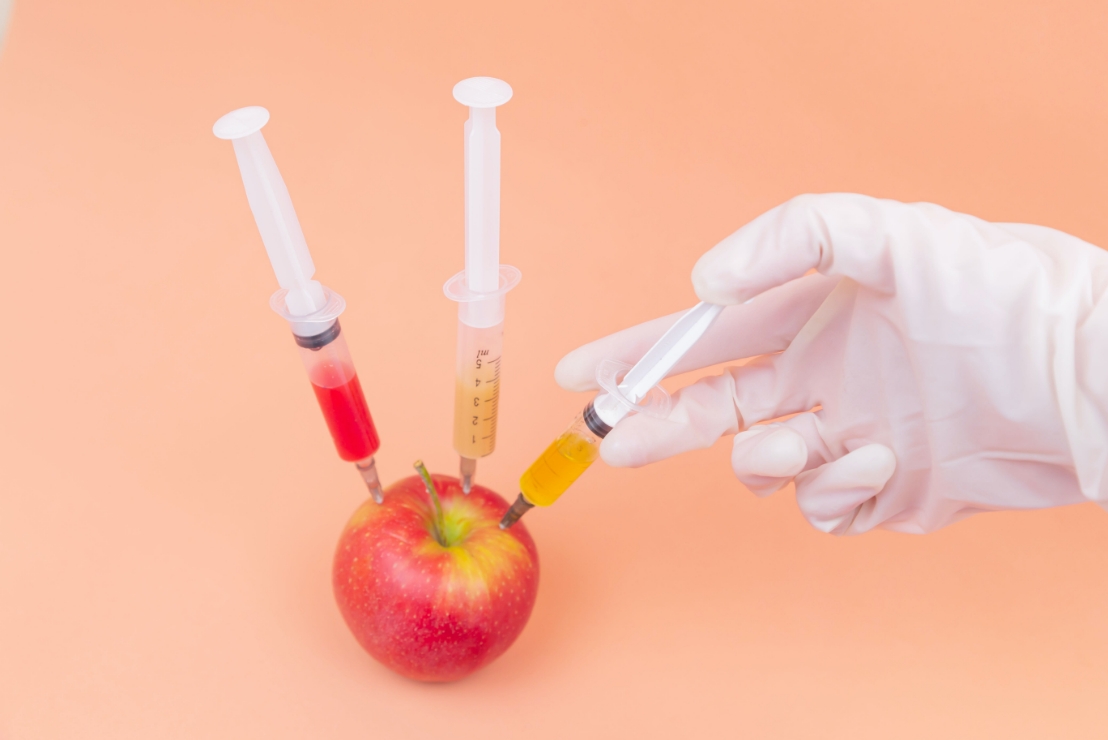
x=764, y=325
x=839, y=234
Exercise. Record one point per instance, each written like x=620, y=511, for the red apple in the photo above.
x=431, y=610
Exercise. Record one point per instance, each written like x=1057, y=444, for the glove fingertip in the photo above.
x=713, y=280
x=770, y=452
x=620, y=452
x=576, y=372
x=873, y=465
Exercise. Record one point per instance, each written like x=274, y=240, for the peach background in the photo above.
x=170, y=498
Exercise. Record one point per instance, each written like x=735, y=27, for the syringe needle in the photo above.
x=517, y=510
x=467, y=468
x=368, y=469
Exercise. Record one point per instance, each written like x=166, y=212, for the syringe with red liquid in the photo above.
x=311, y=309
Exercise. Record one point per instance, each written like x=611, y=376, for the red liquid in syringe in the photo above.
x=347, y=415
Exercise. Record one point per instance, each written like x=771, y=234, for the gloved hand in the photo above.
x=936, y=365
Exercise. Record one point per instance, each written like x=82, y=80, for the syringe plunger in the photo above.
x=272, y=208
x=482, y=172
x=482, y=197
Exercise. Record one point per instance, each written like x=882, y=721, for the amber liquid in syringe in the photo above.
x=477, y=390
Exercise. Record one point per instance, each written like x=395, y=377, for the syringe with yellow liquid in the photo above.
x=479, y=289
x=577, y=448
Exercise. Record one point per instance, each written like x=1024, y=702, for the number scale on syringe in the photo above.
x=477, y=390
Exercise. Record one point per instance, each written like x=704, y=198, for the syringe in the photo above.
x=574, y=451
x=311, y=310
x=479, y=289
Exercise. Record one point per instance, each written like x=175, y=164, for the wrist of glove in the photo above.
x=1087, y=426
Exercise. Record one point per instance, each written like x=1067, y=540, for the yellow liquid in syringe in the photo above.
x=559, y=466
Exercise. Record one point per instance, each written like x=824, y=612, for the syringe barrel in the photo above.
x=339, y=393
x=564, y=460
x=477, y=389
x=331, y=371
x=482, y=313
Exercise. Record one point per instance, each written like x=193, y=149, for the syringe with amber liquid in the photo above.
x=479, y=289
x=577, y=447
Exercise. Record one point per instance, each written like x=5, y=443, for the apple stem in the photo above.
x=437, y=522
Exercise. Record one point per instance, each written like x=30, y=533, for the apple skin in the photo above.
x=429, y=612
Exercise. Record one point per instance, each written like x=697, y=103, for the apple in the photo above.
x=435, y=596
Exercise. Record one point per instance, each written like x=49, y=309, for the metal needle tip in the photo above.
x=368, y=469
x=519, y=508
x=467, y=468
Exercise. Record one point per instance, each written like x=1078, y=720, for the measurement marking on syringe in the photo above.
x=478, y=393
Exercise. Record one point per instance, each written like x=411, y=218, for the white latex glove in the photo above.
x=938, y=365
